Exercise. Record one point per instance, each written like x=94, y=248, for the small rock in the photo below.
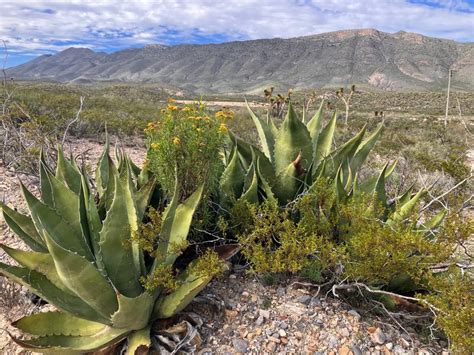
x=271, y=346
x=230, y=314
x=333, y=342
x=264, y=313
x=273, y=339
x=284, y=341
x=356, y=350
x=276, y=335
x=304, y=299
x=258, y=331
x=354, y=314
x=281, y=291
x=283, y=325
x=233, y=276
x=282, y=333
x=389, y=346
x=378, y=337
x=397, y=349
x=240, y=345
x=404, y=343
x=344, y=350
x=245, y=294
x=345, y=332
x=298, y=335
x=259, y=321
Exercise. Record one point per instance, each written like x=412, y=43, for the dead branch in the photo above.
x=437, y=199
x=78, y=113
x=360, y=285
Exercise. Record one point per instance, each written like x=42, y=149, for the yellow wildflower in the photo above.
x=187, y=109
x=199, y=130
x=173, y=108
x=220, y=114
x=176, y=141
x=223, y=128
x=224, y=114
x=155, y=145
x=171, y=100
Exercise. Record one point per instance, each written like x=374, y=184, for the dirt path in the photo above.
x=224, y=103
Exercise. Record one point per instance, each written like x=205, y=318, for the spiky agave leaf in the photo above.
x=88, y=266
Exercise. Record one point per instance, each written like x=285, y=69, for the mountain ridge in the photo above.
x=367, y=57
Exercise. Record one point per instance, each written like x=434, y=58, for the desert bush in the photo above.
x=106, y=264
x=452, y=295
x=184, y=144
x=353, y=245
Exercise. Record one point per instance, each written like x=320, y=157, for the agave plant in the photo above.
x=85, y=263
x=292, y=157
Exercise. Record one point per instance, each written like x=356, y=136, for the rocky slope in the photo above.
x=365, y=57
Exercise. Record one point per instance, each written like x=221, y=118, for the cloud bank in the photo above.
x=31, y=28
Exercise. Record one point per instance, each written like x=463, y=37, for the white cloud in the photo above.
x=44, y=26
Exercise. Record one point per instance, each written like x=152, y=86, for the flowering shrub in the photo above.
x=184, y=144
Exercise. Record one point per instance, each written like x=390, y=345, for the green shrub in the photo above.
x=452, y=293
x=184, y=144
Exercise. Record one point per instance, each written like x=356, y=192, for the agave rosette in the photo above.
x=82, y=261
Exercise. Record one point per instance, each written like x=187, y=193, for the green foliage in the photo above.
x=275, y=243
x=293, y=157
x=452, y=294
x=184, y=144
x=107, y=265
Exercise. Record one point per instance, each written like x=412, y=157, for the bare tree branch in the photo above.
x=78, y=113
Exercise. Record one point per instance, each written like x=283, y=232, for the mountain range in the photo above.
x=365, y=57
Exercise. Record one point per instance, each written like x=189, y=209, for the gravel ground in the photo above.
x=254, y=318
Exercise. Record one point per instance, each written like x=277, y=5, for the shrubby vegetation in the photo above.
x=298, y=197
x=185, y=144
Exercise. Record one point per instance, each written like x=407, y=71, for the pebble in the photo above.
x=240, y=345
x=245, y=294
x=389, y=346
x=404, y=343
x=344, y=350
x=354, y=314
x=304, y=299
x=275, y=340
x=264, y=313
x=356, y=350
x=345, y=332
x=259, y=321
x=378, y=337
x=271, y=346
x=282, y=333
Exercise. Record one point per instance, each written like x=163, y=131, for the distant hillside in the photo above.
x=387, y=61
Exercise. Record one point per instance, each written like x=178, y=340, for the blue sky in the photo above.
x=33, y=28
